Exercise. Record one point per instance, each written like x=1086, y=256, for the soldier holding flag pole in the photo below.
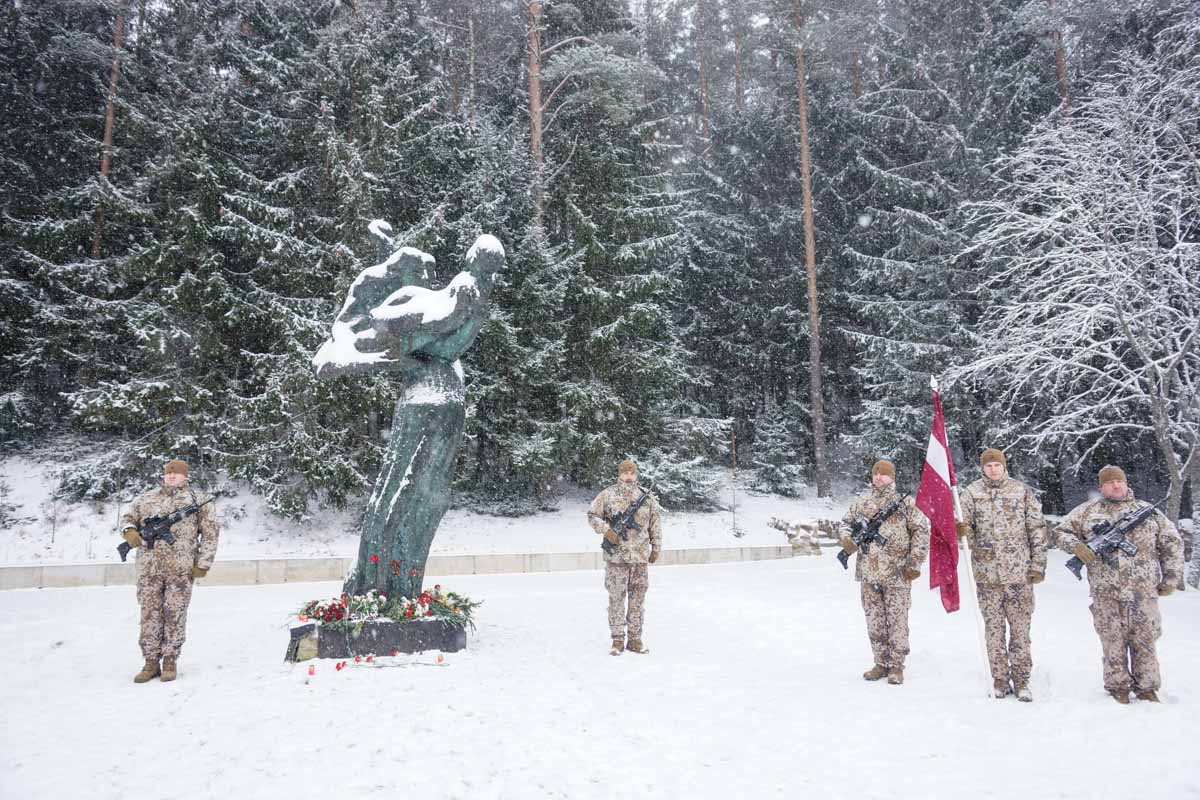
x=937, y=498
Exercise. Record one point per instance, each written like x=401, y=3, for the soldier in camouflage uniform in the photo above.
x=165, y=573
x=1125, y=589
x=886, y=573
x=625, y=568
x=1003, y=519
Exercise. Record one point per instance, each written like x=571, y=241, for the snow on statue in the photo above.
x=394, y=321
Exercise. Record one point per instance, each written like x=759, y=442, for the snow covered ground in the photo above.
x=49, y=531
x=752, y=689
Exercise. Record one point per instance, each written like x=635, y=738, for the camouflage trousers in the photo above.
x=886, y=608
x=1128, y=630
x=623, y=580
x=1007, y=610
x=164, y=600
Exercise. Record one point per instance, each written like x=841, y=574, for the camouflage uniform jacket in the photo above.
x=613, y=501
x=195, y=536
x=907, y=534
x=1159, y=558
x=1008, y=532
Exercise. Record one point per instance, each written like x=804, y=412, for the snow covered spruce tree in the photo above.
x=1092, y=246
x=946, y=95
x=606, y=202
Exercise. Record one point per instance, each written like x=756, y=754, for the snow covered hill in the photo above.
x=48, y=531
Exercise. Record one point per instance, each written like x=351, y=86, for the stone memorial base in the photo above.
x=378, y=638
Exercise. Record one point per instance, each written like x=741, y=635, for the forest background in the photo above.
x=739, y=235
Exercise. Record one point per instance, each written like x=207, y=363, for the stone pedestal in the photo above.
x=378, y=638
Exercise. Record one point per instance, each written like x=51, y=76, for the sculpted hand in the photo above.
x=848, y=544
x=1165, y=590
x=197, y=572
x=962, y=529
x=611, y=536
x=911, y=574
x=1035, y=577
x=654, y=551
x=131, y=537
x=1084, y=553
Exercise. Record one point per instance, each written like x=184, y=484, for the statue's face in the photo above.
x=994, y=470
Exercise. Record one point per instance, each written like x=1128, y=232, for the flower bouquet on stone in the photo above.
x=354, y=611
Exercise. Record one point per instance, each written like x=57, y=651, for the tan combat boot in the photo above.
x=896, y=676
x=636, y=646
x=1021, y=690
x=1000, y=688
x=1121, y=697
x=168, y=669
x=618, y=646
x=1150, y=696
x=150, y=670
x=875, y=673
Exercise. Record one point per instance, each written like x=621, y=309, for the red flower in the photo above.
x=394, y=652
x=429, y=613
x=374, y=558
x=338, y=666
x=439, y=658
x=358, y=659
x=304, y=618
x=312, y=669
x=370, y=659
x=437, y=587
x=343, y=595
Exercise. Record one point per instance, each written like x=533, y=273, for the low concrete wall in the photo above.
x=302, y=570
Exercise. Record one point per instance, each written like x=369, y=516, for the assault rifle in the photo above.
x=624, y=522
x=159, y=527
x=865, y=531
x=1109, y=536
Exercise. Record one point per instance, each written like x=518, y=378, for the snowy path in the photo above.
x=752, y=690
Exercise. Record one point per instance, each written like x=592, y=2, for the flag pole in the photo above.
x=958, y=517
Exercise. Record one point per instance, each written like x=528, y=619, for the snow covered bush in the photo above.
x=776, y=461
x=692, y=485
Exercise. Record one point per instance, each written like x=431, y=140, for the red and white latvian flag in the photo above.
x=937, y=497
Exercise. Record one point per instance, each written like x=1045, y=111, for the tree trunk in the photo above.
x=824, y=488
x=739, y=88
x=109, y=122
x=471, y=65
x=856, y=74
x=1060, y=66
x=644, y=55
x=705, y=127
x=535, y=105
x=141, y=27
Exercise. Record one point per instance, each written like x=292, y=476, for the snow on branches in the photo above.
x=1092, y=245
